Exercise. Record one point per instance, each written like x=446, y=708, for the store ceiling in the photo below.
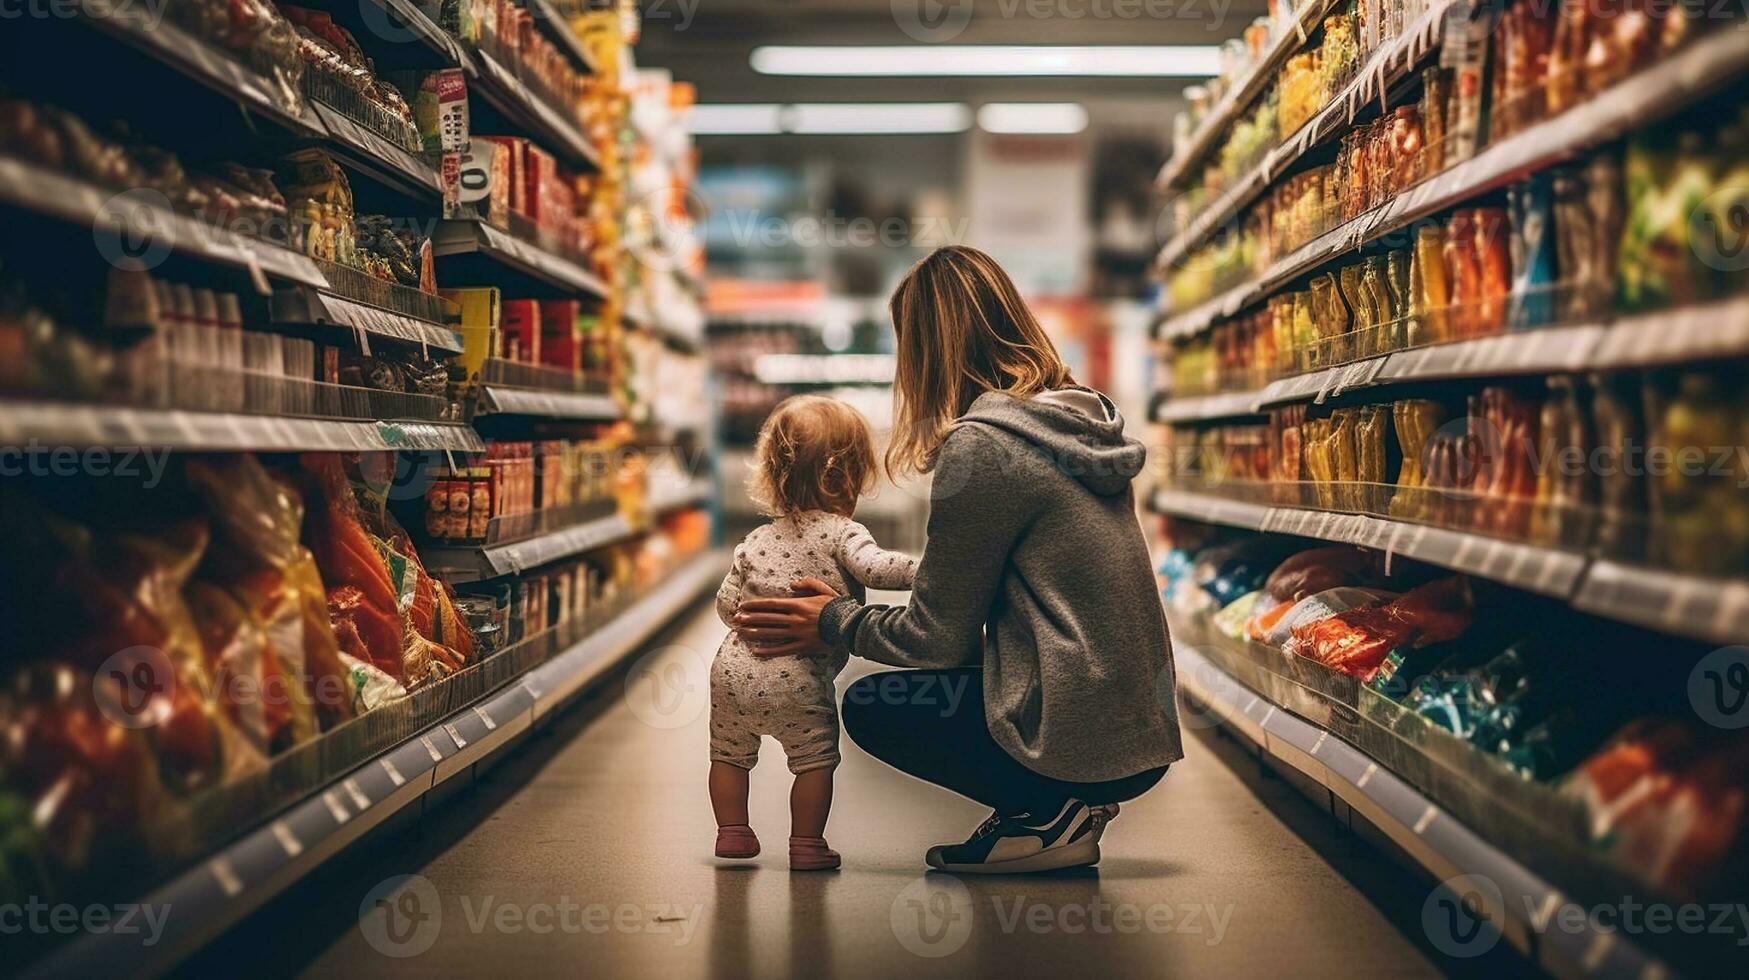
x=709, y=41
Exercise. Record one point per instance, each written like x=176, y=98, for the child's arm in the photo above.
x=729, y=593
x=871, y=564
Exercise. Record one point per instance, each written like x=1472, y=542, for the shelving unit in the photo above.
x=1708, y=331
x=484, y=242
x=1383, y=70
x=1234, y=102
x=260, y=864
x=497, y=560
x=142, y=219
x=87, y=425
x=1706, y=609
x=1428, y=834
x=1679, y=80
x=280, y=820
x=1359, y=759
x=529, y=112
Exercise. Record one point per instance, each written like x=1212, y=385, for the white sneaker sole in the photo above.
x=1082, y=852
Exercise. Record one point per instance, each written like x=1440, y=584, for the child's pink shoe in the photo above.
x=737, y=840
x=812, y=854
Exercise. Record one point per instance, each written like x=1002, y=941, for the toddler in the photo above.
x=814, y=458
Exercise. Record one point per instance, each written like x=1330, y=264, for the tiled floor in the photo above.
x=586, y=852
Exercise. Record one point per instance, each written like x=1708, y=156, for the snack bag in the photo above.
x=259, y=559
x=1356, y=642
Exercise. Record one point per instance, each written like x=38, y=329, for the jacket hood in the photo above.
x=1079, y=429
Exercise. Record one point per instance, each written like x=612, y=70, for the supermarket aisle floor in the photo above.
x=603, y=822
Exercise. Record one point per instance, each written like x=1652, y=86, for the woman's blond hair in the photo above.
x=813, y=453
x=962, y=330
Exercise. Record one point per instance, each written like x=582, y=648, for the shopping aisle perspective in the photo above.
x=1210, y=874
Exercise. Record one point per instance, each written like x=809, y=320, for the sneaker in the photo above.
x=1103, y=815
x=811, y=854
x=1015, y=845
x=737, y=841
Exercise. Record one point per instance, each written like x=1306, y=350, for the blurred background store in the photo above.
x=378, y=387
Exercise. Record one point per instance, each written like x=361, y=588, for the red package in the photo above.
x=1357, y=641
x=538, y=177
x=522, y=327
x=561, y=341
x=516, y=163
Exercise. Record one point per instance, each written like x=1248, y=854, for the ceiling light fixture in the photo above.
x=1176, y=60
x=830, y=118
x=1034, y=118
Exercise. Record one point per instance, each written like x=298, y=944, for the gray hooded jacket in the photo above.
x=1036, y=567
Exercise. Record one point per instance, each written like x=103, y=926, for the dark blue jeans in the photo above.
x=930, y=724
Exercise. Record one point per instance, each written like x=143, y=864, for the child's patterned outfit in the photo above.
x=791, y=698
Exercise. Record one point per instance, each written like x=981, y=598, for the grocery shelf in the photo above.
x=554, y=682
x=139, y=223
x=500, y=87
x=1386, y=66
x=666, y=495
x=1534, y=568
x=558, y=30
x=366, y=151
x=1699, y=332
x=1708, y=609
x=1220, y=119
x=356, y=145
x=467, y=237
x=1549, y=571
x=244, y=875
x=315, y=307
x=473, y=564
x=1678, y=80
x=504, y=400
x=91, y=425
x=1427, y=833
x=1713, y=610
x=1204, y=408
x=136, y=25
x=405, y=15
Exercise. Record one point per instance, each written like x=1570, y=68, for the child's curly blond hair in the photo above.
x=813, y=453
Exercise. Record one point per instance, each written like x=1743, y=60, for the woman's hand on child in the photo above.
x=786, y=627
